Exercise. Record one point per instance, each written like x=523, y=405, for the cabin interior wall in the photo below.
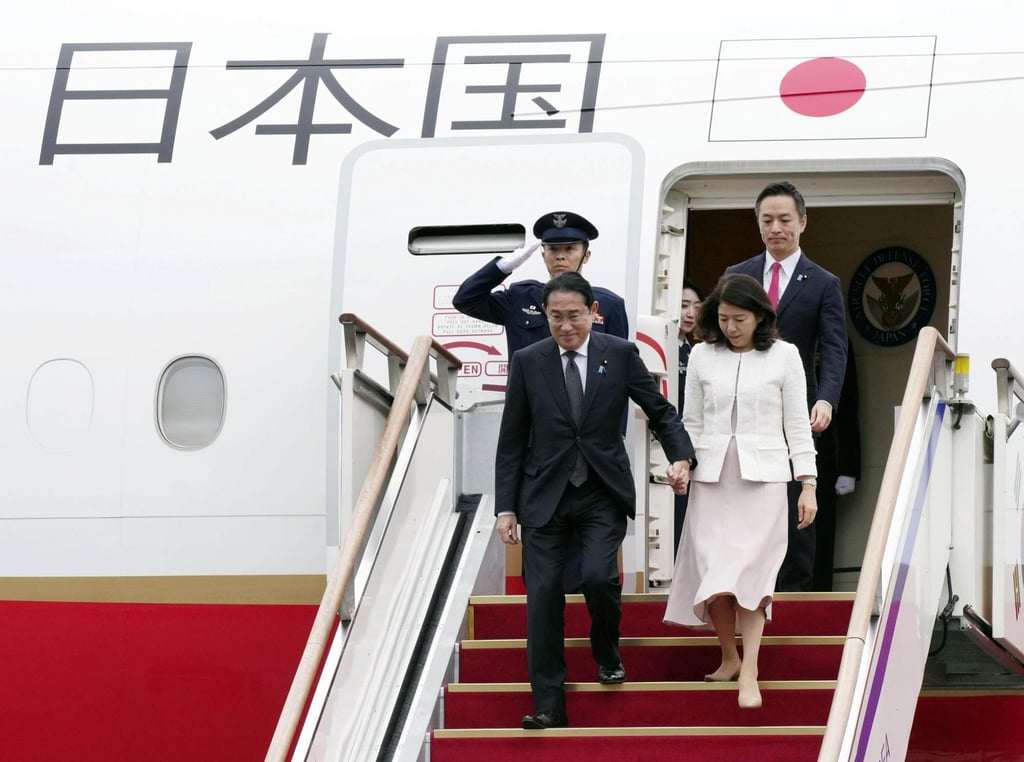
x=839, y=239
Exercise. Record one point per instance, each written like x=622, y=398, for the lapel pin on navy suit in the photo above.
x=600, y=370
x=803, y=276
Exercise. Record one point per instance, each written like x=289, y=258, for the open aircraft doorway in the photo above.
x=860, y=215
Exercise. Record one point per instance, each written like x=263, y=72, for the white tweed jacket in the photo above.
x=773, y=426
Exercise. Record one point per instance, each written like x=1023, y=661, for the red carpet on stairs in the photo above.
x=505, y=617
x=665, y=711
x=653, y=660
x=556, y=747
x=640, y=704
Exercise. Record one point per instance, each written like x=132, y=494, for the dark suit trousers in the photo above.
x=589, y=512
x=828, y=472
x=797, y=572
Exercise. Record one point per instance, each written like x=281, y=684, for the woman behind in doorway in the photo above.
x=689, y=309
x=746, y=411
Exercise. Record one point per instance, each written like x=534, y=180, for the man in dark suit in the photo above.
x=808, y=300
x=562, y=469
x=565, y=238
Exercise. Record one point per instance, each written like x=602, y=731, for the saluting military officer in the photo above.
x=565, y=238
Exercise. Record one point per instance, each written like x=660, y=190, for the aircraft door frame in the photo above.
x=388, y=189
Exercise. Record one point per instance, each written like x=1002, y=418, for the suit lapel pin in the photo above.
x=600, y=370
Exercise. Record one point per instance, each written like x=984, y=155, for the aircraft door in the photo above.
x=416, y=218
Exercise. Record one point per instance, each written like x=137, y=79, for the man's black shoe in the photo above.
x=611, y=675
x=545, y=721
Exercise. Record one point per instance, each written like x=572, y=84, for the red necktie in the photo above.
x=773, y=287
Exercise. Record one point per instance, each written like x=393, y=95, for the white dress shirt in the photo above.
x=580, y=359
x=785, y=272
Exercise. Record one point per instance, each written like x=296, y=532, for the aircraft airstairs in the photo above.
x=427, y=660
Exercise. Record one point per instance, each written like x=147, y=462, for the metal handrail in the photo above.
x=358, y=333
x=1009, y=386
x=924, y=374
x=413, y=375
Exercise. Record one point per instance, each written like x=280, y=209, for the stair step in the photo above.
x=707, y=744
x=504, y=616
x=680, y=659
x=639, y=704
x=665, y=711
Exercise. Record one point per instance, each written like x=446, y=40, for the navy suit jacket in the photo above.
x=518, y=307
x=812, y=316
x=538, y=436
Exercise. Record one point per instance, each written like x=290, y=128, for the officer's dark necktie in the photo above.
x=684, y=355
x=574, y=388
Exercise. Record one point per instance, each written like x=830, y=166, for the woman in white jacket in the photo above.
x=746, y=412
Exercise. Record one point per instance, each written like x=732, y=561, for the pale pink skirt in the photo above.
x=733, y=543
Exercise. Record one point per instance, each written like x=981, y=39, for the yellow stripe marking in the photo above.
x=771, y=640
x=259, y=589
x=659, y=597
x=763, y=730
x=765, y=685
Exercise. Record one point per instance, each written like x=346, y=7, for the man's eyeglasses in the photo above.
x=573, y=317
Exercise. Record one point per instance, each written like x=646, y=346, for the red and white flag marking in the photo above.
x=823, y=89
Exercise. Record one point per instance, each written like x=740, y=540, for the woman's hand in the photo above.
x=806, y=506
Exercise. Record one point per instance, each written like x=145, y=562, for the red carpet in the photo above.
x=652, y=663
x=139, y=682
x=191, y=683
x=492, y=619
x=652, y=748
x=664, y=714
x=968, y=727
x=635, y=705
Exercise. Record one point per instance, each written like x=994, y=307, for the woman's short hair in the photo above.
x=743, y=291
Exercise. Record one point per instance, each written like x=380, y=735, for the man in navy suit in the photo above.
x=562, y=470
x=808, y=300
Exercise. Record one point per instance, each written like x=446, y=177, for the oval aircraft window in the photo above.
x=190, y=402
